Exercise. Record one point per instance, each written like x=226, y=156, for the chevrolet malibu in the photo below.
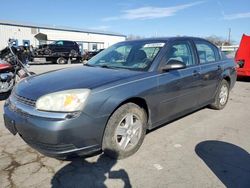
x=109, y=103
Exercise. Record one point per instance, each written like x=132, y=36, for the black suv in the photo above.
x=88, y=55
x=59, y=47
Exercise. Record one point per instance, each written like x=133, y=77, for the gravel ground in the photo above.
x=207, y=148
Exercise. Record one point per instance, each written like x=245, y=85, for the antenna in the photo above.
x=229, y=36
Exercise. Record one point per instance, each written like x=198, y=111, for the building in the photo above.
x=231, y=48
x=35, y=35
x=229, y=51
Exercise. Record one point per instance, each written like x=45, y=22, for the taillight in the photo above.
x=240, y=63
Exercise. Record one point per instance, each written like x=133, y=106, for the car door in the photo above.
x=179, y=89
x=211, y=69
x=68, y=46
x=59, y=47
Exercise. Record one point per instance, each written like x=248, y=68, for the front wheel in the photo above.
x=125, y=131
x=73, y=53
x=222, y=96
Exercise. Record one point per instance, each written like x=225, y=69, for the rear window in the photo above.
x=60, y=43
x=68, y=43
x=206, y=52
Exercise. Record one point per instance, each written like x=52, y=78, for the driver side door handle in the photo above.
x=196, y=73
x=219, y=68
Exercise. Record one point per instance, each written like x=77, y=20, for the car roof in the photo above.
x=165, y=39
x=66, y=40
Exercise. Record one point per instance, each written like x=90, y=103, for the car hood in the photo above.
x=71, y=78
x=42, y=46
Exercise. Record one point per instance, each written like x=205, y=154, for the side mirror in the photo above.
x=173, y=64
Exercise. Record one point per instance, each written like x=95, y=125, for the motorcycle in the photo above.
x=12, y=67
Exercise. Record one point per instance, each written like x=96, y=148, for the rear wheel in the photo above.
x=61, y=60
x=125, y=131
x=222, y=96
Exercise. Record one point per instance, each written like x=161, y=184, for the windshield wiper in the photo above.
x=89, y=65
x=106, y=66
x=101, y=65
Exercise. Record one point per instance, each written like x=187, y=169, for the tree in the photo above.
x=134, y=37
x=218, y=41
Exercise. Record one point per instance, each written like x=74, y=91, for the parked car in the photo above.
x=88, y=55
x=109, y=103
x=242, y=57
x=59, y=47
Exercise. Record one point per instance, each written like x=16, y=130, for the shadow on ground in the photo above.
x=243, y=79
x=81, y=173
x=230, y=163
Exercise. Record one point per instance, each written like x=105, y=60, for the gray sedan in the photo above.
x=109, y=103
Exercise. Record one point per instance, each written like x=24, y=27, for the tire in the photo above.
x=73, y=53
x=119, y=133
x=61, y=60
x=4, y=95
x=221, y=96
x=47, y=51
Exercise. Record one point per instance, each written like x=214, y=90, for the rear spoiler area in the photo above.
x=242, y=56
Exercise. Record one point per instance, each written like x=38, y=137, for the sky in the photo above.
x=145, y=18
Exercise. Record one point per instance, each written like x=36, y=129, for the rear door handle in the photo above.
x=196, y=73
x=219, y=68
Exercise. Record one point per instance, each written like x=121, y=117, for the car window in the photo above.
x=181, y=52
x=130, y=55
x=68, y=43
x=121, y=53
x=206, y=52
x=59, y=43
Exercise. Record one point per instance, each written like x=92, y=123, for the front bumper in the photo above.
x=59, y=135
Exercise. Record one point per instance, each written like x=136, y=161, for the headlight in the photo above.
x=63, y=101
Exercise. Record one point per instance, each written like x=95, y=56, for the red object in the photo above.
x=5, y=66
x=242, y=57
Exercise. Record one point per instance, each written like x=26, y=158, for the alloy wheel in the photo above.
x=223, y=95
x=128, y=132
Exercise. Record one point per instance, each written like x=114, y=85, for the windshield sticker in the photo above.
x=154, y=45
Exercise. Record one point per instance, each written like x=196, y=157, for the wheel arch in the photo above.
x=141, y=102
x=228, y=79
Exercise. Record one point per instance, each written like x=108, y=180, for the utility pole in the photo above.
x=229, y=36
x=156, y=34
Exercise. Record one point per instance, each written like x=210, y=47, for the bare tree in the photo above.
x=134, y=37
x=218, y=41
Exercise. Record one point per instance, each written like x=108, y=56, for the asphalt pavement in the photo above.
x=207, y=148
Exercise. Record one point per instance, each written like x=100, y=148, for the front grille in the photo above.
x=25, y=100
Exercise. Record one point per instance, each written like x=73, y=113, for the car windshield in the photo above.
x=58, y=42
x=136, y=55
